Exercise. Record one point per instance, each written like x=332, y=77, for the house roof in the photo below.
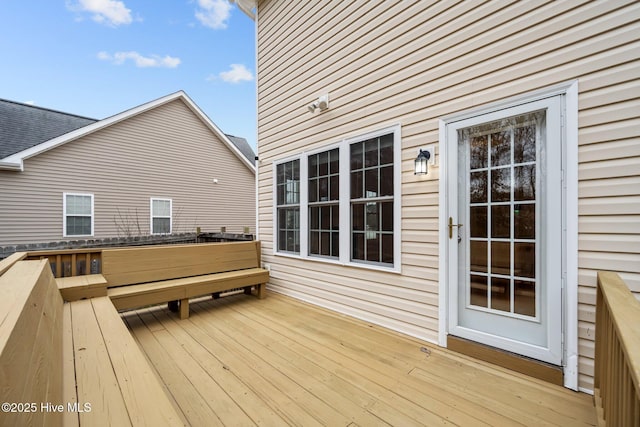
x=21, y=139
x=23, y=126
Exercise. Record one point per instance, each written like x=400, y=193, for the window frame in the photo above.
x=65, y=214
x=344, y=203
x=302, y=188
x=152, y=216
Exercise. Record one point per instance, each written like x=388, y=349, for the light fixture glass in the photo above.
x=422, y=163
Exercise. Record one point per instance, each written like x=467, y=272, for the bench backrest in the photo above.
x=154, y=263
x=31, y=313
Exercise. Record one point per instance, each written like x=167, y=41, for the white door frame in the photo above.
x=569, y=93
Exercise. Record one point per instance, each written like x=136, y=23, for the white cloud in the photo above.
x=213, y=13
x=238, y=73
x=119, y=58
x=109, y=12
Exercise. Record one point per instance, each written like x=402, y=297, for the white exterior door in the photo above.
x=505, y=246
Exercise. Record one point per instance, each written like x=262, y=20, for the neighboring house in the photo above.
x=531, y=114
x=160, y=168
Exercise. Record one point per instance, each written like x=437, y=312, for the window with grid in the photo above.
x=372, y=204
x=324, y=197
x=78, y=214
x=288, y=206
x=160, y=216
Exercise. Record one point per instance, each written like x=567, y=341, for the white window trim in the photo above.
x=569, y=92
x=151, y=216
x=344, y=202
x=64, y=215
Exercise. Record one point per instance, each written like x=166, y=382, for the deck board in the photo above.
x=278, y=361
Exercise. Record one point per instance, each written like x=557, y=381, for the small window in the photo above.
x=78, y=214
x=288, y=206
x=160, y=216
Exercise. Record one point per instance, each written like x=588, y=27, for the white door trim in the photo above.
x=569, y=92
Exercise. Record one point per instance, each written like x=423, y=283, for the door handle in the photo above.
x=451, y=225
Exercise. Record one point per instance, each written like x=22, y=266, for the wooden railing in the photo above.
x=617, y=363
x=71, y=262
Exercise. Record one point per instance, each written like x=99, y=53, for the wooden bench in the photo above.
x=138, y=277
x=62, y=356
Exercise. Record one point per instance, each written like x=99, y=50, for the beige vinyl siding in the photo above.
x=166, y=152
x=412, y=63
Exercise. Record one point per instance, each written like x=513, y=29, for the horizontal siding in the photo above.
x=166, y=152
x=413, y=63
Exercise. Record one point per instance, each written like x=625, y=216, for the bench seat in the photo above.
x=133, y=296
x=81, y=287
x=110, y=371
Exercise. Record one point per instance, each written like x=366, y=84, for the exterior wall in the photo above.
x=412, y=63
x=166, y=152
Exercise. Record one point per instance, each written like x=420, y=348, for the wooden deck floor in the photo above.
x=243, y=361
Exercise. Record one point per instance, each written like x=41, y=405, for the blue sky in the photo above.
x=97, y=58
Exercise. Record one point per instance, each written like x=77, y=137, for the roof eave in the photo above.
x=248, y=7
x=11, y=166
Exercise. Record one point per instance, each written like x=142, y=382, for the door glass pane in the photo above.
x=524, y=221
x=525, y=182
x=478, y=187
x=478, y=290
x=501, y=148
x=524, y=141
x=501, y=185
x=500, y=294
x=501, y=258
x=478, y=256
x=525, y=260
x=478, y=226
x=524, y=297
x=479, y=150
x=501, y=221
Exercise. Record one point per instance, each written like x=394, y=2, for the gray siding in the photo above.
x=412, y=63
x=166, y=152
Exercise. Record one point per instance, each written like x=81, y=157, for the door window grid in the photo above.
x=499, y=164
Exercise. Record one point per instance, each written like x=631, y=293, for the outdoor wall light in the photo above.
x=321, y=103
x=422, y=163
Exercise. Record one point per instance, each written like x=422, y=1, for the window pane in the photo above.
x=373, y=247
x=334, y=161
x=161, y=225
x=371, y=152
x=358, y=246
x=325, y=217
x=386, y=181
x=314, y=243
x=161, y=208
x=371, y=217
x=335, y=244
x=323, y=163
x=313, y=190
x=357, y=217
x=78, y=205
x=325, y=243
x=387, y=216
x=78, y=225
x=314, y=218
x=357, y=152
x=371, y=183
x=313, y=166
x=323, y=189
x=335, y=217
x=386, y=149
x=334, y=187
x=357, y=182
x=387, y=248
